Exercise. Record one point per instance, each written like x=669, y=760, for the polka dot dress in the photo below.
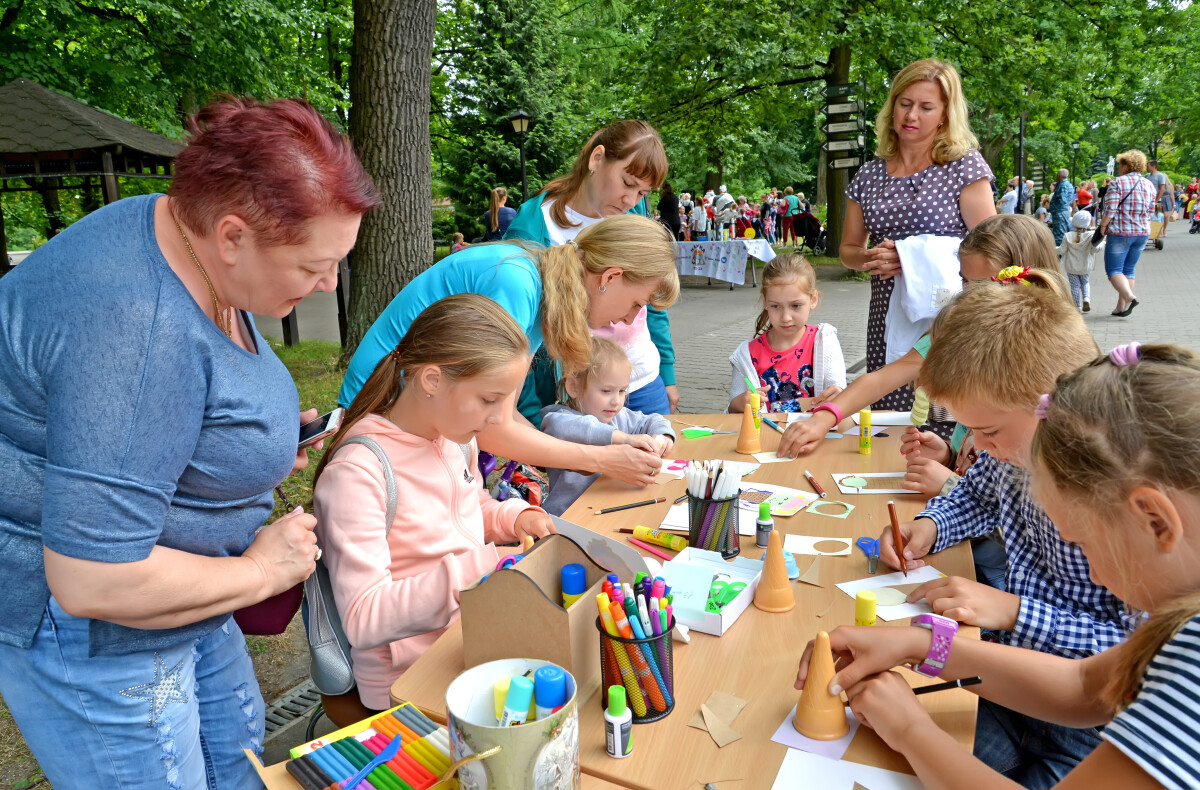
x=896, y=208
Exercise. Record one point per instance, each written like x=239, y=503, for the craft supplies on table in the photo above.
x=892, y=589
x=691, y=575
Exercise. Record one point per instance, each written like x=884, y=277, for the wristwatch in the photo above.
x=943, y=629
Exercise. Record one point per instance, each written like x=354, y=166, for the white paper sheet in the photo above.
x=925, y=573
x=857, y=431
x=806, y=544
x=801, y=769
x=787, y=735
x=888, y=418
x=838, y=477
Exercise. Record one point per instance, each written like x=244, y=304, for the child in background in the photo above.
x=788, y=358
x=458, y=243
x=1079, y=257
x=997, y=350
x=1116, y=464
x=595, y=413
x=456, y=372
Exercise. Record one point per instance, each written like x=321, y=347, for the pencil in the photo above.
x=812, y=481
x=629, y=530
x=949, y=684
x=631, y=505
x=898, y=538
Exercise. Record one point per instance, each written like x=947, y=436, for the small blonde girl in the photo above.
x=594, y=413
x=1116, y=466
x=454, y=373
x=788, y=358
x=1079, y=258
x=458, y=243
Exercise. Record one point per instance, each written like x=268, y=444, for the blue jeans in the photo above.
x=174, y=718
x=1121, y=254
x=1033, y=753
x=650, y=399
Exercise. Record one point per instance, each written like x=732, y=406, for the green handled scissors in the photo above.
x=721, y=594
x=697, y=433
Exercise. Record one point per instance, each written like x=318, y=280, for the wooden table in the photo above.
x=757, y=658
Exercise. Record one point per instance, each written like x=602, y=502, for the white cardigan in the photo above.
x=828, y=365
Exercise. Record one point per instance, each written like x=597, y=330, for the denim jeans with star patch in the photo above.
x=176, y=718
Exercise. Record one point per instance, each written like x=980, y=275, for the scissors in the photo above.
x=698, y=432
x=870, y=547
x=721, y=594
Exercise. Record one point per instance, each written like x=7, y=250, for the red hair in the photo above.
x=276, y=165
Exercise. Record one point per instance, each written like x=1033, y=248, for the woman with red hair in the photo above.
x=143, y=424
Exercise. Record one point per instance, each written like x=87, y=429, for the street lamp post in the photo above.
x=520, y=124
x=1074, y=159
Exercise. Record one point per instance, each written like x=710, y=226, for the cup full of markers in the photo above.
x=713, y=488
x=635, y=625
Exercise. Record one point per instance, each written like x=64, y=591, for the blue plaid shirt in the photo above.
x=1062, y=611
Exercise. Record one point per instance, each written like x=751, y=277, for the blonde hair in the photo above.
x=604, y=352
x=465, y=335
x=498, y=196
x=954, y=138
x=1004, y=344
x=639, y=246
x=783, y=269
x=1112, y=428
x=1005, y=240
x=1133, y=160
x=1046, y=199
x=636, y=140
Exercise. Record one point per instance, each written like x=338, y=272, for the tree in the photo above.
x=389, y=124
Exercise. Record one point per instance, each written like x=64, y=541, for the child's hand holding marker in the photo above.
x=919, y=537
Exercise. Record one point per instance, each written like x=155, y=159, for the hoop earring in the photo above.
x=603, y=289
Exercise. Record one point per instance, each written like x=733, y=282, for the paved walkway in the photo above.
x=709, y=321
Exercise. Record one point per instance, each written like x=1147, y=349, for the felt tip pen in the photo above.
x=771, y=422
x=654, y=501
x=812, y=481
x=949, y=684
x=649, y=548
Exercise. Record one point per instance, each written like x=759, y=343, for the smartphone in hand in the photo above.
x=321, y=428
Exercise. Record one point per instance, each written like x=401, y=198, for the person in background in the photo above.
x=1008, y=201
x=498, y=216
x=700, y=221
x=1078, y=259
x=790, y=209
x=457, y=243
x=1165, y=193
x=1128, y=205
x=1083, y=197
x=668, y=210
x=1060, y=205
x=685, y=231
x=1043, y=212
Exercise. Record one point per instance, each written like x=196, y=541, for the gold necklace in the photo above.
x=224, y=322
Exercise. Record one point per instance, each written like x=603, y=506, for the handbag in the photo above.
x=271, y=616
x=1098, y=236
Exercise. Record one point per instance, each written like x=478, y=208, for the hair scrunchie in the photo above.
x=1124, y=355
x=1043, y=407
x=1012, y=274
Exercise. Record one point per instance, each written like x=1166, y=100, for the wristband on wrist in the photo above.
x=832, y=409
x=943, y=629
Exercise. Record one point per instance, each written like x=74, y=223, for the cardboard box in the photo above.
x=276, y=777
x=518, y=613
x=739, y=569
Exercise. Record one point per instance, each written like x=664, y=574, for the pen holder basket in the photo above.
x=645, y=667
x=713, y=525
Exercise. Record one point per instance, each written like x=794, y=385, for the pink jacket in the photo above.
x=397, y=592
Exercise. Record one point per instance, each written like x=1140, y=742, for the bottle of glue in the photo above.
x=618, y=724
x=763, y=525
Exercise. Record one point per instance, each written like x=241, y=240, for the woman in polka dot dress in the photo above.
x=927, y=177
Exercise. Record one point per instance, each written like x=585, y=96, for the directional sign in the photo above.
x=838, y=127
x=833, y=146
x=844, y=107
x=838, y=91
x=845, y=163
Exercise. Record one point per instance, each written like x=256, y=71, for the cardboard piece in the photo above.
x=875, y=483
x=721, y=732
x=726, y=706
x=818, y=508
x=517, y=613
x=739, y=569
x=748, y=443
x=813, y=574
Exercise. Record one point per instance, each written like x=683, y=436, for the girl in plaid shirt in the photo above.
x=1116, y=459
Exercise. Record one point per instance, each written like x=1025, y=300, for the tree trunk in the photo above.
x=389, y=124
x=836, y=180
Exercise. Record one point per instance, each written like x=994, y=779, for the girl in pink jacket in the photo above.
x=456, y=371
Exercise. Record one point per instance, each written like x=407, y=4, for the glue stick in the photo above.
x=755, y=405
x=660, y=538
x=864, y=432
x=574, y=583
x=518, y=702
x=864, y=608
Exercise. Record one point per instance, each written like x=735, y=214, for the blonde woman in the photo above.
x=927, y=177
x=607, y=274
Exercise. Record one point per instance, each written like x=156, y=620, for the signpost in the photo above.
x=840, y=127
x=844, y=108
x=833, y=146
x=845, y=163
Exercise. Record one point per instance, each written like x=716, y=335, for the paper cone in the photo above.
x=820, y=715
x=774, y=593
x=747, y=442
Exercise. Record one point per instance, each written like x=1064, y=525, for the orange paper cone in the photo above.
x=747, y=442
x=774, y=593
x=819, y=714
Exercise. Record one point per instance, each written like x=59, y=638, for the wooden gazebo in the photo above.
x=49, y=142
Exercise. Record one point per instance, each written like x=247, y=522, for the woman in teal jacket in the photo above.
x=612, y=174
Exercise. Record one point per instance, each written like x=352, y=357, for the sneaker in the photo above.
x=1087, y=306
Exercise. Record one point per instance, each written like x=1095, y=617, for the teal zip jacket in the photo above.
x=541, y=385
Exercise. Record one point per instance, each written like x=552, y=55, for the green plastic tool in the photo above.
x=698, y=433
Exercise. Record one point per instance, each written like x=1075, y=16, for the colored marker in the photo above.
x=649, y=548
x=772, y=423
x=812, y=481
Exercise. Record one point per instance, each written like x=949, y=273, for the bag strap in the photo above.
x=389, y=477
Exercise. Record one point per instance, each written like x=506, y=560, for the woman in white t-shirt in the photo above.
x=615, y=170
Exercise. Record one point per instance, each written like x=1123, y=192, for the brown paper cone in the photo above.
x=820, y=715
x=747, y=442
x=774, y=593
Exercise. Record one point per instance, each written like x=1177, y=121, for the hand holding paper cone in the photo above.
x=819, y=714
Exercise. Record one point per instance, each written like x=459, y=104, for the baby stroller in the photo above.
x=1195, y=226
